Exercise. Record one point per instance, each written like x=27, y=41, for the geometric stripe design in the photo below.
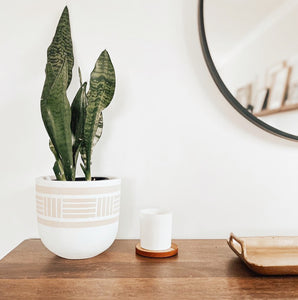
x=72, y=207
x=100, y=206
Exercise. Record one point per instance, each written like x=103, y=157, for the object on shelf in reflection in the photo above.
x=292, y=94
x=260, y=100
x=269, y=76
x=243, y=95
x=274, y=96
x=278, y=89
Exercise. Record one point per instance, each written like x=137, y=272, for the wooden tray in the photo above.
x=270, y=255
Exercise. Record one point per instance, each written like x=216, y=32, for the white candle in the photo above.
x=156, y=229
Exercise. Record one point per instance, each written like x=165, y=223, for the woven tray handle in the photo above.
x=235, y=240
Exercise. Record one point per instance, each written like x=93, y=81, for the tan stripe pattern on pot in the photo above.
x=77, y=191
x=77, y=207
x=77, y=224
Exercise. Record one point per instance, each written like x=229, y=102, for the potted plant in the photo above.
x=77, y=217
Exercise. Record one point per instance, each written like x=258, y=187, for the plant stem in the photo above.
x=88, y=173
x=86, y=170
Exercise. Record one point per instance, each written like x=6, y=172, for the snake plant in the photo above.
x=73, y=129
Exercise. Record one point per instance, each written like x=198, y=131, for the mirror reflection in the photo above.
x=254, y=46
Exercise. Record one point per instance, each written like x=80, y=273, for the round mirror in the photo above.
x=251, y=49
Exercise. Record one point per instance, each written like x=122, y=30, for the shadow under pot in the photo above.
x=77, y=219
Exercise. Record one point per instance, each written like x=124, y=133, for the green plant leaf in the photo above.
x=102, y=83
x=58, y=170
x=99, y=130
x=78, y=116
x=95, y=140
x=50, y=78
x=61, y=47
x=56, y=115
x=58, y=167
x=55, y=107
x=100, y=94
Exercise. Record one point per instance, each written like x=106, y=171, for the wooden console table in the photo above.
x=203, y=269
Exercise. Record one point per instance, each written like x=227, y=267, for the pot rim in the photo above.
x=50, y=182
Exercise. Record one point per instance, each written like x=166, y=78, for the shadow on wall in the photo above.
x=17, y=185
x=16, y=218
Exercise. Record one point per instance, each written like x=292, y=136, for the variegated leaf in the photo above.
x=58, y=170
x=98, y=131
x=95, y=140
x=58, y=167
x=61, y=47
x=100, y=94
x=102, y=82
x=78, y=116
x=55, y=110
x=50, y=78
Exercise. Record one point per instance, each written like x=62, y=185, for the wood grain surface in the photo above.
x=203, y=269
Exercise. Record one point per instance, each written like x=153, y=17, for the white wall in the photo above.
x=169, y=133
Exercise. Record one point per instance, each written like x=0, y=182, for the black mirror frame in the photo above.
x=224, y=90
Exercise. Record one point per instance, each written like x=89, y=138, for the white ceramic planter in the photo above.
x=77, y=219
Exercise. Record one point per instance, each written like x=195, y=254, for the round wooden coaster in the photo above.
x=154, y=253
